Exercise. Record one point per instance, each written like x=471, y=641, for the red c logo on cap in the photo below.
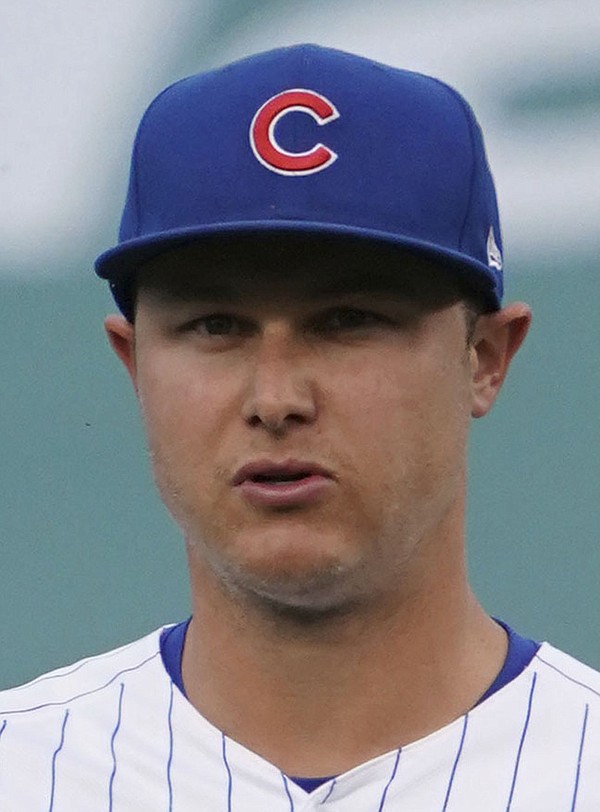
x=262, y=133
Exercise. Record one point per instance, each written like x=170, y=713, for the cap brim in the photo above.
x=119, y=262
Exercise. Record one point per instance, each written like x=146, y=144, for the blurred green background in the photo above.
x=89, y=558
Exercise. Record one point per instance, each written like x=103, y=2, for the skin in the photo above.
x=356, y=609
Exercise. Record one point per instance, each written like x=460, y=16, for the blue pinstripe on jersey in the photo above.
x=523, y=734
x=114, y=678
x=112, y=749
x=287, y=792
x=456, y=760
x=389, y=783
x=229, y=776
x=170, y=759
x=326, y=798
x=2, y=729
x=566, y=676
x=54, y=758
x=72, y=669
x=585, y=718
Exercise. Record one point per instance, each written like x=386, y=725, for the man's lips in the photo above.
x=291, y=483
x=264, y=471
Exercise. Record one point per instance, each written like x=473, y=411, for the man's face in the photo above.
x=353, y=371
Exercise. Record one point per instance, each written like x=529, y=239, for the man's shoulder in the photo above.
x=84, y=678
x=78, y=735
x=568, y=675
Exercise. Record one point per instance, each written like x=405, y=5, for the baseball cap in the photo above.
x=317, y=141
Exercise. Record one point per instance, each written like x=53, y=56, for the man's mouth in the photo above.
x=277, y=479
x=285, y=484
x=273, y=471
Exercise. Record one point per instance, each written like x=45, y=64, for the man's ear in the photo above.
x=121, y=335
x=496, y=339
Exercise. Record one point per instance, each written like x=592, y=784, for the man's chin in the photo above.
x=307, y=616
x=301, y=587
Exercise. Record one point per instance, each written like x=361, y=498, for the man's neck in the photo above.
x=323, y=698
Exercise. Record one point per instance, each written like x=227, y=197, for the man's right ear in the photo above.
x=121, y=335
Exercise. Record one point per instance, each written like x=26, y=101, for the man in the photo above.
x=309, y=275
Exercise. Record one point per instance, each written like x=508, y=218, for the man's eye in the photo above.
x=215, y=325
x=349, y=318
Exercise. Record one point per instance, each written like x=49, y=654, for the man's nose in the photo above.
x=281, y=389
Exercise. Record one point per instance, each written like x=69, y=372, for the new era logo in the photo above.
x=494, y=255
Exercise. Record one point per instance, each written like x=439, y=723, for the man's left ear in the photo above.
x=496, y=339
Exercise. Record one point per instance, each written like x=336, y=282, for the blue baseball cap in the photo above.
x=312, y=140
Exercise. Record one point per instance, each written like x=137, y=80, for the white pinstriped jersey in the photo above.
x=113, y=734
